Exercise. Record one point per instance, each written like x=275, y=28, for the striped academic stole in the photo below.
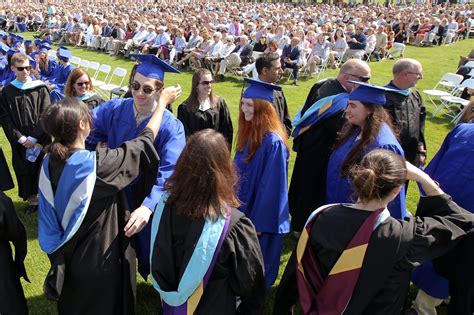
x=323, y=108
x=61, y=214
x=186, y=299
x=330, y=296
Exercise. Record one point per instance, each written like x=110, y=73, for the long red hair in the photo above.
x=265, y=119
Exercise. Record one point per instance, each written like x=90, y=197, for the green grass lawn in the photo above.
x=435, y=60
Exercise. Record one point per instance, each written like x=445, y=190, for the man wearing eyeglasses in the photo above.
x=314, y=146
x=21, y=106
x=407, y=109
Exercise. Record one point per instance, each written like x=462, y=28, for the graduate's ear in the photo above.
x=83, y=125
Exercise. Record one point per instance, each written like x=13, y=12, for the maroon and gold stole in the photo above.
x=330, y=296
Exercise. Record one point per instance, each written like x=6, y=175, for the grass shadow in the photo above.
x=41, y=305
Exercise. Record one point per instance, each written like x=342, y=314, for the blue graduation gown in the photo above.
x=453, y=168
x=7, y=76
x=60, y=80
x=53, y=71
x=114, y=123
x=339, y=188
x=263, y=191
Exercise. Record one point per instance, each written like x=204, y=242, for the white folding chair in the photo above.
x=451, y=81
x=93, y=68
x=84, y=64
x=101, y=75
x=437, y=93
x=118, y=73
x=75, y=60
x=469, y=64
x=449, y=101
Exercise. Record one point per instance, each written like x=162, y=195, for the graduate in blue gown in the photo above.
x=8, y=74
x=453, y=168
x=368, y=127
x=119, y=120
x=262, y=164
x=46, y=64
x=58, y=79
x=3, y=57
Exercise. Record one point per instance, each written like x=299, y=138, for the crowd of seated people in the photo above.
x=227, y=37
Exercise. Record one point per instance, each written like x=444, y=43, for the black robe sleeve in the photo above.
x=440, y=224
x=225, y=122
x=183, y=116
x=247, y=278
x=282, y=111
x=117, y=168
x=11, y=229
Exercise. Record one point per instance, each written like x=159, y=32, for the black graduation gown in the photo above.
x=408, y=114
x=395, y=248
x=238, y=270
x=20, y=112
x=314, y=147
x=94, y=272
x=12, y=298
x=93, y=101
x=6, y=181
x=279, y=101
x=215, y=118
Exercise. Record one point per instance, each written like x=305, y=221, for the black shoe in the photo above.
x=31, y=209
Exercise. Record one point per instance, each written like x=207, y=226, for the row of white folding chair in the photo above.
x=108, y=85
x=444, y=87
x=447, y=102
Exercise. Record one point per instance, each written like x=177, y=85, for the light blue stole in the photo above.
x=26, y=85
x=198, y=264
x=61, y=214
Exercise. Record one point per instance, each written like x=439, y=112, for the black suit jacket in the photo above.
x=245, y=54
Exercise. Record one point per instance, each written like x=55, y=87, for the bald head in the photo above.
x=406, y=73
x=355, y=70
x=404, y=65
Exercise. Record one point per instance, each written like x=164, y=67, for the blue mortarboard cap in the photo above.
x=4, y=37
x=19, y=37
x=369, y=93
x=153, y=67
x=44, y=47
x=37, y=42
x=11, y=35
x=32, y=62
x=45, y=41
x=64, y=54
x=60, y=47
x=28, y=42
x=11, y=52
x=4, y=48
x=260, y=90
x=16, y=43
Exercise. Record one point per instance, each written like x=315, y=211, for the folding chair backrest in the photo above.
x=449, y=77
x=468, y=83
x=256, y=54
x=104, y=70
x=469, y=64
x=94, y=68
x=75, y=60
x=119, y=73
x=84, y=64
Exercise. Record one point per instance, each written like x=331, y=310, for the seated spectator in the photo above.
x=261, y=44
x=290, y=57
x=401, y=37
x=413, y=29
x=112, y=46
x=380, y=43
x=339, y=47
x=179, y=43
x=135, y=40
x=226, y=50
x=319, y=52
x=205, y=48
x=357, y=43
x=272, y=47
x=240, y=56
x=422, y=31
x=160, y=44
x=371, y=41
